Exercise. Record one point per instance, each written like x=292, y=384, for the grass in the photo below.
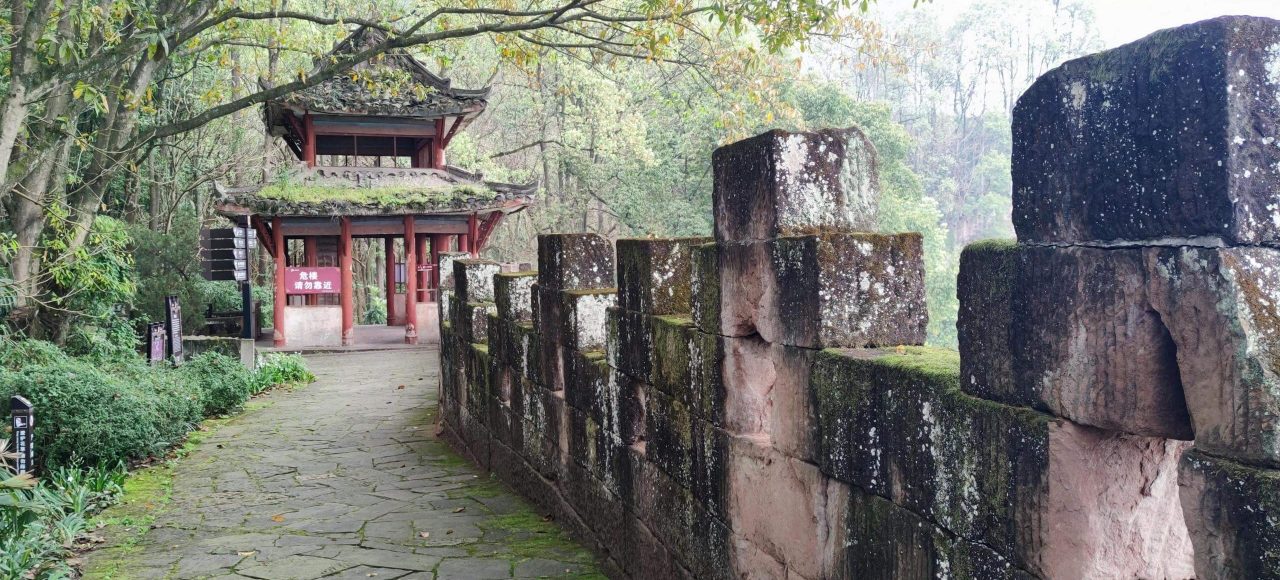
x=383, y=196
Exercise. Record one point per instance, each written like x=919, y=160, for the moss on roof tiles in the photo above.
x=382, y=196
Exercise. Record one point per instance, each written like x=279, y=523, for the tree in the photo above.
x=85, y=83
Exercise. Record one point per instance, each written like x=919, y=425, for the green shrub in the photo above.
x=103, y=413
x=282, y=369
x=224, y=382
x=37, y=526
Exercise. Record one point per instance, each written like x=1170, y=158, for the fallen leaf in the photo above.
x=449, y=531
x=247, y=554
x=424, y=535
x=459, y=510
x=399, y=387
x=902, y=350
x=277, y=518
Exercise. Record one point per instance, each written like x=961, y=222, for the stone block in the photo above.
x=705, y=287
x=767, y=394
x=1231, y=511
x=706, y=392
x=886, y=542
x=669, y=435
x=446, y=268
x=473, y=280
x=1087, y=344
x=585, y=378
x=513, y=295
x=654, y=275
x=779, y=183
x=1060, y=500
x=672, y=343
x=852, y=290
x=1222, y=309
x=574, y=262
x=782, y=506
x=988, y=273
x=583, y=318
x=475, y=318
x=1122, y=145
x=630, y=343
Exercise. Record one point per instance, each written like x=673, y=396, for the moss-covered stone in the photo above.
x=706, y=376
x=779, y=183
x=669, y=435
x=473, y=280
x=705, y=287
x=672, y=360
x=1231, y=511
x=988, y=273
x=574, y=262
x=898, y=426
x=886, y=542
x=654, y=275
x=474, y=325
x=583, y=316
x=513, y=295
x=445, y=265
x=630, y=347
x=834, y=290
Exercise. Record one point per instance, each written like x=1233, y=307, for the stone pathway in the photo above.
x=344, y=478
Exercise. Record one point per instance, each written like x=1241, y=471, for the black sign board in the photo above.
x=173, y=326
x=23, y=422
x=224, y=252
x=156, y=342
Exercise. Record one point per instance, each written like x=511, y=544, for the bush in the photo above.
x=224, y=383
x=282, y=369
x=38, y=525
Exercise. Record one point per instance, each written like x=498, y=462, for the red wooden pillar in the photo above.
x=309, y=141
x=473, y=235
x=422, y=259
x=310, y=253
x=389, y=244
x=439, y=243
x=464, y=244
x=437, y=146
x=410, y=283
x=280, y=300
x=344, y=262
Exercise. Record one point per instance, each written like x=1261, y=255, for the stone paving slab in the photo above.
x=344, y=478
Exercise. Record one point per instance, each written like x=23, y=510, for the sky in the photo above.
x=1121, y=21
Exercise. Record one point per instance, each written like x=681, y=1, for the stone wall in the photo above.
x=758, y=404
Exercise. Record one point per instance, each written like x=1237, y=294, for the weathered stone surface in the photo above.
x=1056, y=498
x=1222, y=307
x=1231, y=511
x=585, y=374
x=473, y=280
x=782, y=506
x=574, y=262
x=767, y=394
x=630, y=343
x=779, y=183
x=446, y=268
x=475, y=318
x=669, y=435
x=988, y=273
x=672, y=342
x=705, y=287
x=1088, y=346
x=706, y=376
x=886, y=542
x=851, y=290
x=584, y=318
x=513, y=294
x=1169, y=136
x=654, y=275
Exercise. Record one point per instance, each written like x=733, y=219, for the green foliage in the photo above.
x=168, y=263
x=38, y=525
x=94, y=279
x=279, y=369
x=225, y=384
x=383, y=197
x=375, y=311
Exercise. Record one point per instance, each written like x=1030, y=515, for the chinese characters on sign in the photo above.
x=24, y=421
x=312, y=280
x=173, y=322
x=157, y=343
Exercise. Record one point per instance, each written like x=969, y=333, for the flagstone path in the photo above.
x=344, y=478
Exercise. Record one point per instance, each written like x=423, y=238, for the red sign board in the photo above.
x=312, y=281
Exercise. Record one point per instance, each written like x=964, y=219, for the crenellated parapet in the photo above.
x=759, y=404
